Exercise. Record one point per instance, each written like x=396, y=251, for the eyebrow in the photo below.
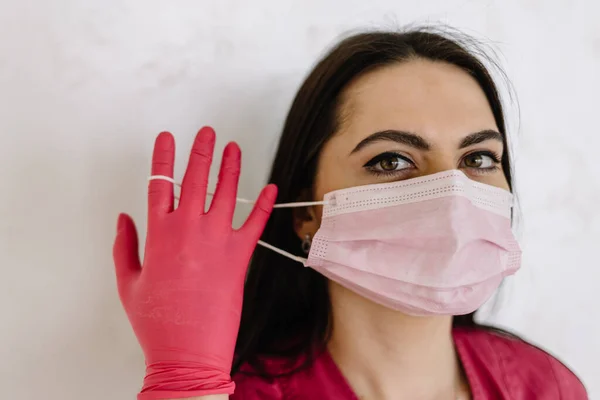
x=407, y=138
x=418, y=142
x=479, y=137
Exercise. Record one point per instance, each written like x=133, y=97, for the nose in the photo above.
x=438, y=162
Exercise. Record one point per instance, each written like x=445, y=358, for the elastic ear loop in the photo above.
x=246, y=201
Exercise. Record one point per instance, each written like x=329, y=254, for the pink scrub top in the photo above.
x=496, y=366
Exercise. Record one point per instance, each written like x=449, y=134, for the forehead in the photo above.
x=436, y=100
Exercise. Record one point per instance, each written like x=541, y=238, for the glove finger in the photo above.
x=223, y=203
x=160, y=192
x=255, y=224
x=195, y=181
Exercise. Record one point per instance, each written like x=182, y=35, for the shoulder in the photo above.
x=519, y=366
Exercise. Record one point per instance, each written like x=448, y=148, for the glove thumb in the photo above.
x=125, y=254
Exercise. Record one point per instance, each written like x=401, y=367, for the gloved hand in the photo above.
x=185, y=302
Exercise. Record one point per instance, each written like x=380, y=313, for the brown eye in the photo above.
x=474, y=161
x=389, y=164
x=480, y=161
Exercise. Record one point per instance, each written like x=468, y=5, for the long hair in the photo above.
x=286, y=309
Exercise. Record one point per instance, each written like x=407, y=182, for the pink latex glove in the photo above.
x=184, y=303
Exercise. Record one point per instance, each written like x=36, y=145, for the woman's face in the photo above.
x=408, y=120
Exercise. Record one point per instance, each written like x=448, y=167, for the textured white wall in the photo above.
x=86, y=85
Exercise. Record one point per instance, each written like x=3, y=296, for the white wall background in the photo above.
x=86, y=85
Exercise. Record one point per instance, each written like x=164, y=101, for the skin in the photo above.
x=383, y=352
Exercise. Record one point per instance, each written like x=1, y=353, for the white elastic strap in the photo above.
x=239, y=199
x=282, y=252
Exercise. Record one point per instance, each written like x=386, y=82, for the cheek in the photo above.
x=497, y=179
x=326, y=179
x=335, y=170
x=319, y=190
x=319, y=214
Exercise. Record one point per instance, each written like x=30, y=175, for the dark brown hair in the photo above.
x=286, y=310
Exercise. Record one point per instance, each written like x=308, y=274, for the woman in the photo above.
x=397, y=141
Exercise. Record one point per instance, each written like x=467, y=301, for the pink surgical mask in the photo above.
x=434, y=245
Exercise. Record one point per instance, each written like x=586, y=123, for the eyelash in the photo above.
x=492, y=155
x=387, y=155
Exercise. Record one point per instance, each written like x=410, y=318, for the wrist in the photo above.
x=173, y=379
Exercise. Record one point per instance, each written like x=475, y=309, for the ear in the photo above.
x=305, y=218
